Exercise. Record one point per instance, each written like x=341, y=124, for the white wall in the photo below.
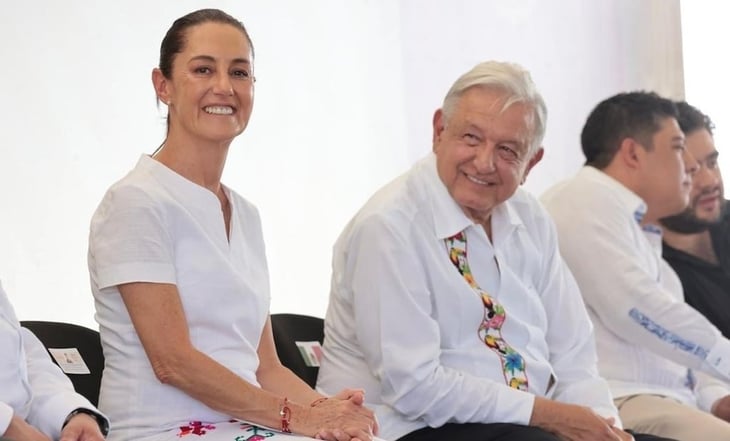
x=344, y=100
x=705, y=34
x=579, y=52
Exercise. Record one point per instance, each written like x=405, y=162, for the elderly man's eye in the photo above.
x=508, y=152
x=471, y=139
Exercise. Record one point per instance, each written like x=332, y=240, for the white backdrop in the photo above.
x=705, y=34
x=344, y=100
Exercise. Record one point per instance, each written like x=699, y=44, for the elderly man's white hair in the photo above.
x=515, y=82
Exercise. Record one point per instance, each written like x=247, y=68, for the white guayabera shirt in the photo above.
x=404, y=323
x=647, y=337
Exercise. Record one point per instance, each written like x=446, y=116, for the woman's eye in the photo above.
x=241, y=73
x=202, y=70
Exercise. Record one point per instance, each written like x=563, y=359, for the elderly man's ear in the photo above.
x=537, y=157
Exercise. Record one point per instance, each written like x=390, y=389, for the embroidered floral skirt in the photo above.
x=228, y=431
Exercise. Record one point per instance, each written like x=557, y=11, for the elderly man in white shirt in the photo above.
x=488, y=345
x=658, y=354
x=37, y=401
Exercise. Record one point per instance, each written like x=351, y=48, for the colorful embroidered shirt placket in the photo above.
x=490, y=330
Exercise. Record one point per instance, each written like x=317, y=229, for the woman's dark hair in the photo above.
x=174, y=41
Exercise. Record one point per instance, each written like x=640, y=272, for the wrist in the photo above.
x=100, y=420
x=285, y=416
x=537, y=411
x=300, y=420
x=544, y=413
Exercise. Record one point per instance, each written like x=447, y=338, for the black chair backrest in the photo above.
x=289, y=329
x=57, y=335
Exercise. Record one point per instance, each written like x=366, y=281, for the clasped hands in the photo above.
x=343, y=417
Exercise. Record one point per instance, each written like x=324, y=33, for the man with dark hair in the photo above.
x=696, y=241
x=661, y=357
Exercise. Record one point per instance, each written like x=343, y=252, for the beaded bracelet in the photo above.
x=285, y=414
x=318, y=401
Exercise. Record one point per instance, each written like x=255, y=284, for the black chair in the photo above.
x=57, y=335
x=289, y=329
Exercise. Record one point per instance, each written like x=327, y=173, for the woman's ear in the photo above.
x=161, y=86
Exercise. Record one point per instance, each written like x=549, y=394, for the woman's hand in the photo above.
x=357, y=396
x=343, y=418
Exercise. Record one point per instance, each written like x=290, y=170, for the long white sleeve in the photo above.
x=633, y=303
x=53, y=394
x=708, y=390
x=626, y=285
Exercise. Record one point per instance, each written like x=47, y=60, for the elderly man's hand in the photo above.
x=574, y=423
x=19, y=430
x=624, y=436
x=82, y=427
x=721, y=408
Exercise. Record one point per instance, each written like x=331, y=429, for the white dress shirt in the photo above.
x=31, y=385
x=647, y=337
x=403, y=323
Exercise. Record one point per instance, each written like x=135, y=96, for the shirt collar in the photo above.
x=630, y=201
x=172, y=180
x=449, y=218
